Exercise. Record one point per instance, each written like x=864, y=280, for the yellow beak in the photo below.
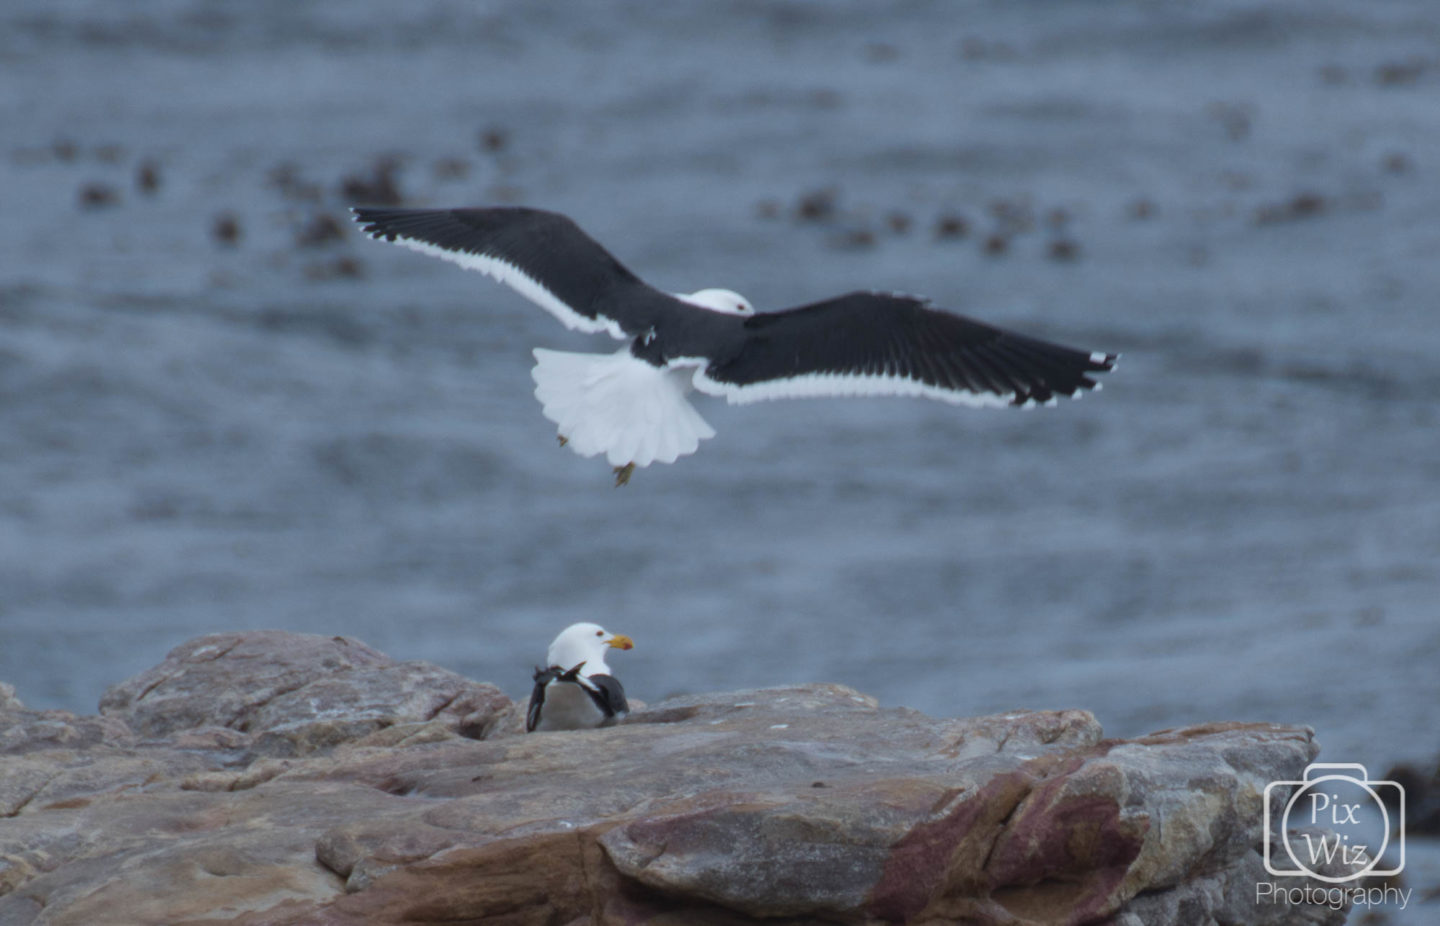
x=620, y=641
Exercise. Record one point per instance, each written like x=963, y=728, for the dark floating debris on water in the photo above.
x=285, y=177
x=817, y=205
x=1141, y=209
x=378, y=188
x=1396, y=163
x=505, y=193
x=225, y=229
x=1235, y=118
x=1236, y=180
x=147, y=177
x=451, y=169
x=340, y=268
x=854, y=229
x=853, y=239
x=98, y=196
x=322, y=229
x=951, y=227
x=64, y=149
x=494, y=139
x=1063, y=249
x=1301, y=206
x=1014, y=216
x=1400, y=73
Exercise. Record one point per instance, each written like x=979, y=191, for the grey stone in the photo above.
x=295, y=693
x=277, y=779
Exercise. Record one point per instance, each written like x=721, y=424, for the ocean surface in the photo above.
x=221, y=408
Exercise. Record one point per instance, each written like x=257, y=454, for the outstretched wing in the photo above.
x=881, y=344
x=543, y=256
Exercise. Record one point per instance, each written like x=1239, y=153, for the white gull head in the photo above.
x=585, y=643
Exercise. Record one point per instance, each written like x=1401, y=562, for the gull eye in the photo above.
x=599, y=633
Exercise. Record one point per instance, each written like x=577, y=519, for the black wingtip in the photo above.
x=363, y=217
x=372, y=221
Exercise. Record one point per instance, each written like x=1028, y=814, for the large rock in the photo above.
x=295, y=692
x=273, y=778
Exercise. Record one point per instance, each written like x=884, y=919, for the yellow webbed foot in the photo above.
x=622, y=474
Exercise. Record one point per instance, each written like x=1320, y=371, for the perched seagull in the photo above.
x=575, y=691
x=631, y=405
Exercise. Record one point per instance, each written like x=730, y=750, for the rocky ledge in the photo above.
x=274, y=778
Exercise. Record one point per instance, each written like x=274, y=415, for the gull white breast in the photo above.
x=575, y=690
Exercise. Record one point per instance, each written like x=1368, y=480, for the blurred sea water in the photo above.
x=216, y=412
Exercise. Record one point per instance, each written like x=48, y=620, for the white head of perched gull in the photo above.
x=631, y=406
x=575, y=690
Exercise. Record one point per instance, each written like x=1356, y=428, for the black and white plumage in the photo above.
x=631, y=406
x=575, y=690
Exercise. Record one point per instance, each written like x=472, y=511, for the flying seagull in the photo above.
x=575, y=690
x=631, y=405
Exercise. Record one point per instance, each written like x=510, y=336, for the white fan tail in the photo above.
x=619, y=405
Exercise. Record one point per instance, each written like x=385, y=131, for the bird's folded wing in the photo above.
x=867, y=343
x=543, y=677
x=608, y=695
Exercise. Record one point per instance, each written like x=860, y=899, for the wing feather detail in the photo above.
x=882, y=344
x=543, y=256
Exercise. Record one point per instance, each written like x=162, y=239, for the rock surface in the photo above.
x=274, y=778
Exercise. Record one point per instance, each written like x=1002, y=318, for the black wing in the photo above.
x=543, y=677
x=879, y=344
x=608, y=695
x=541, y=255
